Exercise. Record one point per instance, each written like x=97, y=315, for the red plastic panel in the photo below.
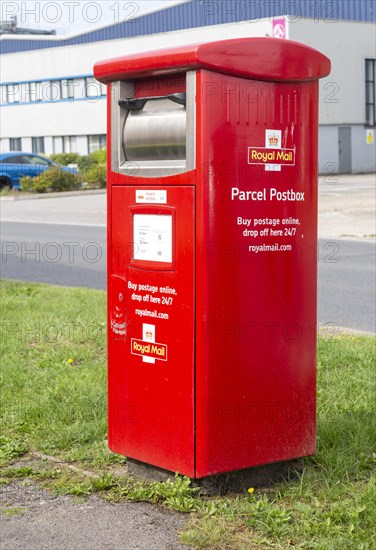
x=160, y=86
x=256, y=300
x=260, y=58
x=151, y=358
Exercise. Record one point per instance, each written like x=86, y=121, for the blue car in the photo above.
x=15, y=165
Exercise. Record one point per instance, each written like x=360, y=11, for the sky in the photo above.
x=71, y=16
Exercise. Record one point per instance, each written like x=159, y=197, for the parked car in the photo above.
x=16, y=164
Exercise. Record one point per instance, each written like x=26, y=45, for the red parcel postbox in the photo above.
x=212, y=230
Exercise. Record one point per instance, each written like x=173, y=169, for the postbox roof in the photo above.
x=260, y=58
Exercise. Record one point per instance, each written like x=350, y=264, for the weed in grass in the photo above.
x=269, y=518
x=11, y=448
x=177, y=494
x=79, y=500
x=23, y=472
x=46, y=474
x=94, y=454
x=4, y=481
x=13, y=511
x=18, y=473
x=70, y=485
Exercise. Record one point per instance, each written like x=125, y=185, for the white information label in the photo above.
x=151, y=196
x=152, y=237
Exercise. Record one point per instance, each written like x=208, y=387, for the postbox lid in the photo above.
x=259, y=58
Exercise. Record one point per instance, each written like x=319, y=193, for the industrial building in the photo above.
x=51, y=103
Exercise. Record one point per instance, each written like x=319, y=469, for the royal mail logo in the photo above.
x=267, y=155
x=273, y=141
x=152, y=350
x=273, y=156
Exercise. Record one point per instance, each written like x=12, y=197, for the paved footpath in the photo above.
x=45, y=522
x=66, y=209
x=34, y=519
x=346, y=207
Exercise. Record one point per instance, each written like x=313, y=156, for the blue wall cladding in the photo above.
x=201, y=13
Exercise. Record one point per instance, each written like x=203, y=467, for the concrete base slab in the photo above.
x=238, y=481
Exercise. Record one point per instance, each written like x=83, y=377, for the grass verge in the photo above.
x=53, y=372
x=53, y=401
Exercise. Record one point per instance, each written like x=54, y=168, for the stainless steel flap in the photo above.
x=157, y=131
x=153, y=136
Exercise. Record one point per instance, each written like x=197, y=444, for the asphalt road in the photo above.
x=71, y=255
x=347, y=284
x=75, y=255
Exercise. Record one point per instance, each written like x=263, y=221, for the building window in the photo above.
x=92, y=88
x=13, y=93
x=54, y=90
x=32, y=91
x=28, y=91
x=103, y=88
x=37, y=144
x=15, y=144
x=24, y=92
x=69, y=144
x=67, y=91
x=96, y=142
x=3, y=90
x=35, y=91
x=370, y=92
x=79, y=88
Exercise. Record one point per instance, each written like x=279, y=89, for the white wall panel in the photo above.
x=347, y=44
x=82, y=146
x=27, y=145
x=4, y=145
x=48, y=145
x=54, y=119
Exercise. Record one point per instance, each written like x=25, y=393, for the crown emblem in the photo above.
x=273, y=140
x=148, y=335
